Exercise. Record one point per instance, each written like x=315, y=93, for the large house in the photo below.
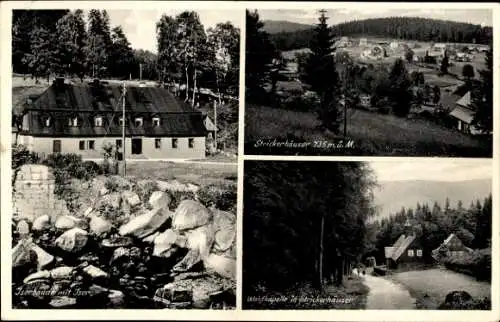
x=451, y=246
x=463, y=113
x=82, y=117
x=405, y=251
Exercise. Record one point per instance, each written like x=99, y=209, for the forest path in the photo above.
x=386, y=295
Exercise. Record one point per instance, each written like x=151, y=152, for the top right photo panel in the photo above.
x=369, y=82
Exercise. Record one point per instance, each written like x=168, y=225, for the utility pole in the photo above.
x=123, y=131
x=140, y=72
x=215, y=124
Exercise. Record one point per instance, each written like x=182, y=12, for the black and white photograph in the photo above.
x=124, y=158
x=371, y=235
x=369, y=81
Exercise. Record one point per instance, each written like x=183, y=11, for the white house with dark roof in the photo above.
x=463, y=113
x=81, y=118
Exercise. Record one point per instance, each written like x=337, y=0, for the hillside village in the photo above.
x=441, y=85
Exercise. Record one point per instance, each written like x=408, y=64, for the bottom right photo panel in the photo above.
x=389, y=234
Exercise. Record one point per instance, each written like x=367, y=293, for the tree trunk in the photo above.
x=194, y=88
x=321, y=236
x=187, y=84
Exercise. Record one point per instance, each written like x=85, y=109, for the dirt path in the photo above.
x=386, y=295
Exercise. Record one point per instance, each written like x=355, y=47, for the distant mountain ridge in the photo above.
x=277, y=26
x=289, y=35
x=392, y=195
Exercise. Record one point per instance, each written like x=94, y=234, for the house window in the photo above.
x=56, y=146
x=82, y=145
x=419, y=253
x=73, y=121
x=98, y=121
x=156, y=121
x=410, y=253
x=157, y=143
x=174, y=143
x=138, y=121
x=191, y=143
x=120, y=121
x=47, y=121
x=91, y=144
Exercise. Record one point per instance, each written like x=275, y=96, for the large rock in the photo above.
x=190, y=214
x=40, y=275
x=69, y=222
x=99, y=225
x=131, y=198
x=23, y=228
x=63, y=302
x=225, y=231
x=95, y=272
x=43, y=258
x=73, y=240
x=224, y=266
x=159, y=199
x=164, y=242
x=63, y=272
x=458, y=300
x=41, y=223
x=112, y=200
x=28, y=253
x=146, y=224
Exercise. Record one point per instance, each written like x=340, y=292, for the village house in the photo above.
x=451, y=246
x=82, y=117
x=463, y=114
x=406, y=251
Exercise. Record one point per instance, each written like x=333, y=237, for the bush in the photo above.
x=222, y=197
x=111, y=184
x=477, y=264
x=21, y=156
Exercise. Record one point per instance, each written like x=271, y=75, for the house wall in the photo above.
x=72, y=145
x=406, y=258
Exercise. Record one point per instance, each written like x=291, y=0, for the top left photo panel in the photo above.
x=124, y=157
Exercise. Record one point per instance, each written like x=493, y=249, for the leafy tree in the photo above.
x=41, y=59
x=409, y=55
x=98, y=42
x=322, y=76
x=468, y=71
x=437, y=94
x=70, y=40
x=445, y=63
x=258, y=56
x=482, y=98
x=400, y=94
x=121, y=61
x=166, y=35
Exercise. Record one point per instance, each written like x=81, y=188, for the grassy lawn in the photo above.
x=350, y=295
x=199, y=174
x=373, y=134
x=431, y=286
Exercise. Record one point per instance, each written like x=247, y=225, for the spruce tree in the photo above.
x=482, y=98
x=69, y=44
x=322, y=76
x=400, y=94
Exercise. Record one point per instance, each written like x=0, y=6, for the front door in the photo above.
x=137, y=146
x=56, y=146
x=119, y=150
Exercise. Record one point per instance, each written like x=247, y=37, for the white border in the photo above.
x=323, y=315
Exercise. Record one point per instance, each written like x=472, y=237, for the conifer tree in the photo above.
x=482, y=98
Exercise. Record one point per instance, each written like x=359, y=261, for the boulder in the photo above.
x=151, y=238
x=116, y=298
x=119, y=253
x=23, y=228
x=41, y=223
x=95, y=272
x=458, y=300
x=159, y=199
x=40, y=275
x=224, y=266
x=115, y=242
x=131, y=198
x=225, y=231
x=73, y=240
x=68, y=222
x=146, y=224
x=22, y=254
x=43, y=258
x=63, y=302
x=112, y=200
x=63, y=272
x=163, y=243
x=190, y=214
x=99, y=225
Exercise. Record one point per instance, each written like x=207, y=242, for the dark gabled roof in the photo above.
x=64, y=101
x=106, y=97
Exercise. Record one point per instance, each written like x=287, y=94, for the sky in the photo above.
x=434, y=170
x=476, y=16
x=140, y=25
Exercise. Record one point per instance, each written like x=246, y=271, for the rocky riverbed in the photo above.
x=151, y=257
